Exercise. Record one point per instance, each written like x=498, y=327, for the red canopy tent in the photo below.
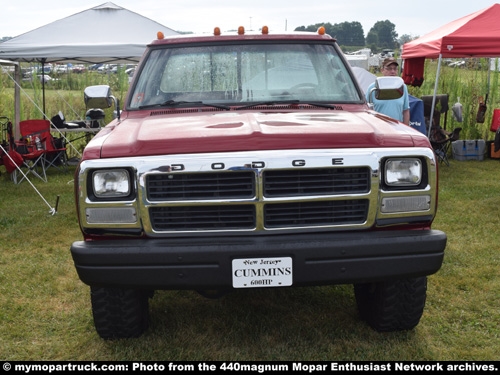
x=475, y=35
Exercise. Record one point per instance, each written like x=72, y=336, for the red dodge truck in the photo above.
x=253, y=160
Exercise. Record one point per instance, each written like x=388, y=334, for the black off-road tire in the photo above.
x=120, y=313
x=391, y=306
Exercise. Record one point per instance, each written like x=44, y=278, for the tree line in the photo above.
x=381, y=36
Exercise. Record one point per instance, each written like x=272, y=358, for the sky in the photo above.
x=415, y=18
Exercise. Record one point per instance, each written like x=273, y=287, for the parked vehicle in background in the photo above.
x=94, y=67
x=457, y=64
x=130, y=72
x=106, y=68
x=42, y=78
x=124, y=67
x=252, y=160
x=62, y=69
x=79, y=69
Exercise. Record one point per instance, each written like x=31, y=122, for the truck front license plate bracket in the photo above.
x=262, y=272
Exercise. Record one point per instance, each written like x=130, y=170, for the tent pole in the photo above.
x=17, y=100
x=489, y=75
x=43, y=85
x=434, y=96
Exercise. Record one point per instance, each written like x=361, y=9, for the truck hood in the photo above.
x=203, y=132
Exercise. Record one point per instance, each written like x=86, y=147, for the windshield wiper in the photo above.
x=322, y=105
x=294, y=101
x=269, y=102
x=175, y=103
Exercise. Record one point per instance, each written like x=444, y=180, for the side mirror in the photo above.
x=388, y=88
x=100, y=97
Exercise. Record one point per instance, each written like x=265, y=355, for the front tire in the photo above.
x=395, y=305
x=120, y=313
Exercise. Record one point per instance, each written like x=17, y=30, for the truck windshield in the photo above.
x=238, y=74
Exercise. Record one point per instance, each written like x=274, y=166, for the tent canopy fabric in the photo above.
x=475, y=35
x=105, y=33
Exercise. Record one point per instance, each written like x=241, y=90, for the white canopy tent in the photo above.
x=103, y=34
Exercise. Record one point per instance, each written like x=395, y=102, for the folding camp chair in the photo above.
x=8, y=155
x=442, y=147
x=4, y=142
x=441, y=107
x=55, y=149
x=31, y=147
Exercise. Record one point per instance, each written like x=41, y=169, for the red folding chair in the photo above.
x=9, y=157
x=31, y=147
x=55, y=151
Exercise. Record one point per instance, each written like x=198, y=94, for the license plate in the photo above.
x=262, y=272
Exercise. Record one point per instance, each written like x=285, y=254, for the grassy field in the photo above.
x=45, y=310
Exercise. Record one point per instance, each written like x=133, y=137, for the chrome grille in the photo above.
x=178, y=197
x=315, y=213
x=325, y=181
x=201, y=186
x=203, y=217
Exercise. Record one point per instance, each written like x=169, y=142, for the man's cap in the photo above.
x=388, y=61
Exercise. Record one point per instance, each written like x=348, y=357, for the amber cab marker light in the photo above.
x=160, y=35
x=321, y=30
x=216, y=31
x=265, y=30
x=241, y=30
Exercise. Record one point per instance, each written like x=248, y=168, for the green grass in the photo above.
x=46, y=315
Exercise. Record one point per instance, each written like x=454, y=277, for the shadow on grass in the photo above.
x=299, y=324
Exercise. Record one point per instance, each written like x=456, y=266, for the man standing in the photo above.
x=398, y=109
